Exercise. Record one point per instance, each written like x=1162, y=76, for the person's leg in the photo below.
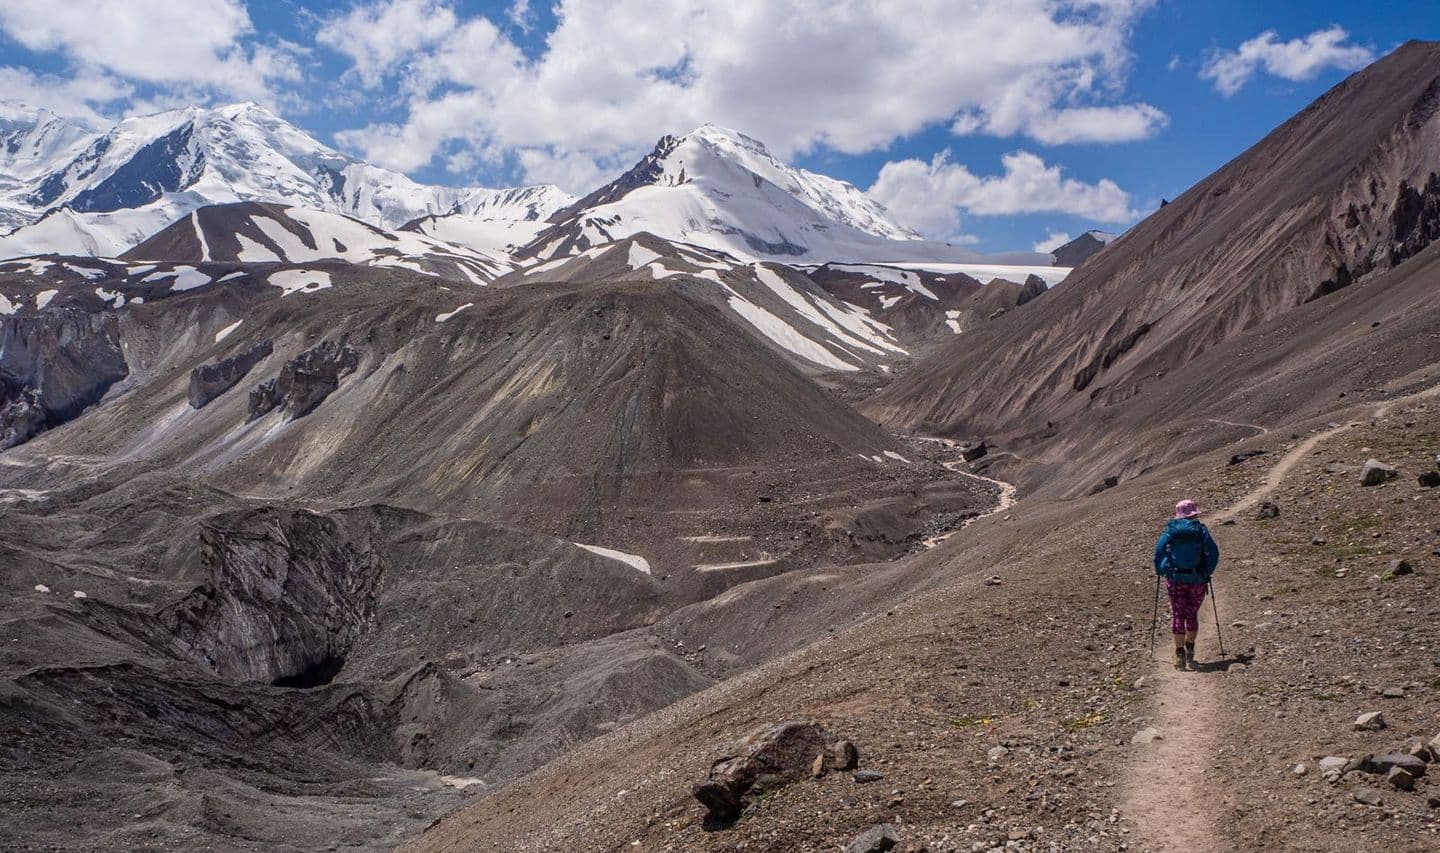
x=1177, y=620
x=1195, y=600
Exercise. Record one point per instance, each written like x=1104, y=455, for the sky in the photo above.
x=1001, y=124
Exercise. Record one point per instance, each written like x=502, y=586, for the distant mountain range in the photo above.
x=70, y=189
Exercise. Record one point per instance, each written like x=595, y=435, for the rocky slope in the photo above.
x=1331, y=200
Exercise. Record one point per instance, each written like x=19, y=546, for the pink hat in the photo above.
x=1186, y=509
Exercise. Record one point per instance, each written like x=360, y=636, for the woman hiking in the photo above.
x=1186, y=556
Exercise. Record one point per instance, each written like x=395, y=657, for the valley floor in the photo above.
x=1000, y=706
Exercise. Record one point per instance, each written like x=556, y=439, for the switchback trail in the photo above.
x=1172, y=788
x=1005, y=500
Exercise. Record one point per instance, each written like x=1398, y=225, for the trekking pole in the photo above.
x=1214, y=607
x=1155, y=617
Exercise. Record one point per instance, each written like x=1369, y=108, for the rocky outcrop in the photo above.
x=209, y=381
x=305, y=381
x=1415, y=221
x=1034, y=287
x=52, y=367
x=290, y=592
x=768, y=758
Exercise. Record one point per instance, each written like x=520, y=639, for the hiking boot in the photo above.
x=1180, y=659
x=1190, y=656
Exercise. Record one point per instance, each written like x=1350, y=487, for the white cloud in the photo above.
x=377, y=36
x=520, y=15
x=852, y=76
x=187, y=45
x=1053, y=240
x=1297, y=59
x=930, y=197
x=74, y=96
x=1174, y=63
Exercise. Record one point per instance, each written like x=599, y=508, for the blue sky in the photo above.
x=1046, y=116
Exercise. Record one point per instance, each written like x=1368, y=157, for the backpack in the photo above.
x=1185, y=551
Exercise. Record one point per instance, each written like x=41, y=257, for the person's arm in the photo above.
x=1160, y=551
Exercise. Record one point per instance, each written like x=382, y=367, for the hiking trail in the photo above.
x=1172, y=780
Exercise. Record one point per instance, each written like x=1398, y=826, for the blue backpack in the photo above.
x=1185, y=558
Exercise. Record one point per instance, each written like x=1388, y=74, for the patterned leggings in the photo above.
x=1185, y=601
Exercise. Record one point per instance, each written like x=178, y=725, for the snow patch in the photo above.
x=188, y=278
x=784, y=334
x=641, y=256
x=225, y=332
x=114, y=297
x=299, y=281
x=634, y=561
x=87, y=272
x=897, y=457
x=43, y=298
x=253, y=252
x=952, y=319
x=200, y=235
x=6, y=306
x=40, y=587
x=440, y=318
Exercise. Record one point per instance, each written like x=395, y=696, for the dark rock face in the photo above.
x=1034, y=287
x=1415, y=222
x=768, y=758
x=970, y=454
x=209, y=381
x=52, y=367
x=305, y=381
x=291, y=591
x=154, y=169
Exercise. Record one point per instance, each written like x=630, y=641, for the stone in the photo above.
x=1318, y=540
x=40, y=587
x=1107, y=483
x=1435, y=747
x=765, y=759
x=1371, y=721
x=1393, y=693
x=1401, y=778
x=1246, y=455
x=1429, y=480
x=996, y=753
x=1399, y=568
x=876, y=839
x=1300, y=769
x=1147, y=735
x=1375, y=472
x=865, y=777
x=1367, y=796
x=1268, y=510
x=1381, y=764
x=1333, y=762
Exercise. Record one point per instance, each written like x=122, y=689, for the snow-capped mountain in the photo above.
x=112, y=189
x=31, y=141
x=719, y=188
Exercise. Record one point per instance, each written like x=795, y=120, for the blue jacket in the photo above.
x=1186, y=552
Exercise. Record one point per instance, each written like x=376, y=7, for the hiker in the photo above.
x=1186, y=556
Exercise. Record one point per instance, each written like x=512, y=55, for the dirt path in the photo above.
x=1259, y=430
x=1173, y=785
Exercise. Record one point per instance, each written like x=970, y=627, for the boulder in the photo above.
x=1429, y=480
x=1381, y=764
x=876, y=839
x=1367, y=796
x=1147, y=735
x=1268, y=510
x=1371, y=721
x=1401, y=778
x=768, y=758
x=1107, y=483
x=1034, y=286
x=970, y=454
x=1399, y=568
x=865, y=777
x=1246, y=455
x=1376, y=472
